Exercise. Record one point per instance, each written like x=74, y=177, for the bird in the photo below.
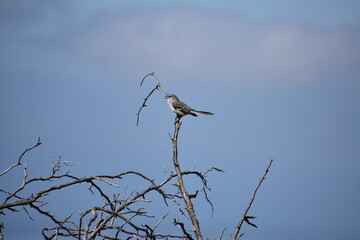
x=181, y=109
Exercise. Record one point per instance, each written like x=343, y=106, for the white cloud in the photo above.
x=191, y=44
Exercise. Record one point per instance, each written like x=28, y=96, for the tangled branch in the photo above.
x=116, y=216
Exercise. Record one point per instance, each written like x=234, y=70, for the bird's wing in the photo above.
x=182, y=106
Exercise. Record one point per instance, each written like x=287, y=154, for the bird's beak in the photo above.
x=166, y=96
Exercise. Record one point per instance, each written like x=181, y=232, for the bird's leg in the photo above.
x=177, y=120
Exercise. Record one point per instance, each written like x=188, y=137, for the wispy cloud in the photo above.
x=213, y=46
x=185, y=43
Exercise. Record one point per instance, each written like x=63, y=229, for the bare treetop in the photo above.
x=118, y=215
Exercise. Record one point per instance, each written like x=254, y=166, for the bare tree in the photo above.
x=185, y=196
x=118, y=216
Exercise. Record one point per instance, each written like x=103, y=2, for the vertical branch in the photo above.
x=1, y=233
x=180, y=183
x=244, y=216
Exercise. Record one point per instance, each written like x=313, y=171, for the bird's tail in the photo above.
x=202, y=112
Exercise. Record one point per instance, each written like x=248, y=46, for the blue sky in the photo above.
x=282, y=77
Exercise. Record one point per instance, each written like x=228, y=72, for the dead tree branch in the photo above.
x=21, y=156
x=1, y=233
x=157, y=87
x=180, y=184
x=222, y=234
x=96, y=221
x=182, y=226
x=116, y=216
x=244, y=216
x=205, y=187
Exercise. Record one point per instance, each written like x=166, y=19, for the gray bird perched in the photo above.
x=180, y=108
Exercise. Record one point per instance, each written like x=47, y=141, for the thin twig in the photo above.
x=144, y=105
x=21, y=156
x=157, y=87
x=205, y=187
x=244, y=216
x=158, y=223
x=222, y=233
x=182, y=226
x=115, y=216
